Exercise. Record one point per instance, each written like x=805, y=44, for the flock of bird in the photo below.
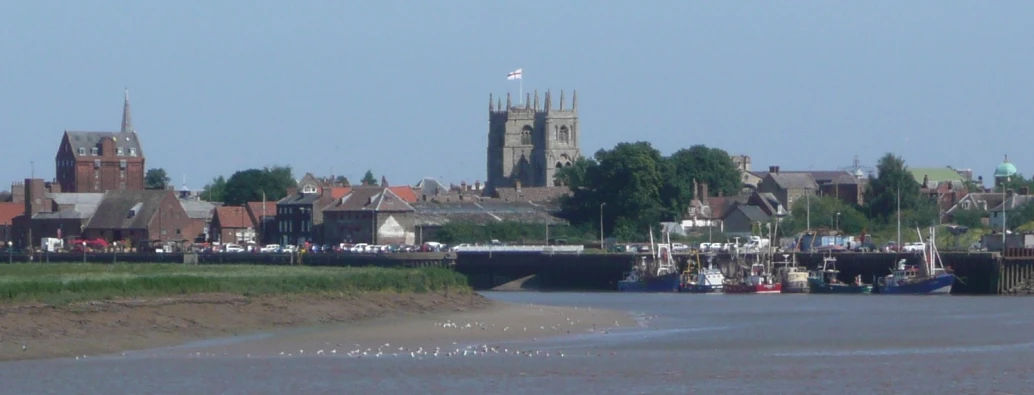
x=387, y=350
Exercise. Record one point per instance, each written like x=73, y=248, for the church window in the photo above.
x=565, y=135
x=526, y=135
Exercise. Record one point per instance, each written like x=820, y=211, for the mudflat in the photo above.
x=33, y=331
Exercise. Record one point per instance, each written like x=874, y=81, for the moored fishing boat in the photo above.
x=793, y=278
x=655, y=273
x=927, y=278
x=825, y=281
x=759, y=281
x=706, y=280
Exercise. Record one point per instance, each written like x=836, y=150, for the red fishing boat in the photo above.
x=760, y=281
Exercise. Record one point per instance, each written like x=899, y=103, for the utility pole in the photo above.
x=898, y=246
x=601, y=225
x=807, y=199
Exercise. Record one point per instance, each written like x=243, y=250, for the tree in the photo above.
x=252, y=184
x=5, y=196
x=342, y=181
x=712, y=167
x=893, y=181
x=824, y=211
x=214, y=191
x=369, y=179
x=972, y=219
x=1016, y=183
x=1019, y=216
x=628, y=179
x=156, y=179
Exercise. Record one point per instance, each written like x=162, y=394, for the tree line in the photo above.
x=249, y=185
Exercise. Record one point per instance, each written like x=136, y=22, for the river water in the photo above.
x=771, y=344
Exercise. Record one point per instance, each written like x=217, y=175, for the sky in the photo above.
x=401, y=87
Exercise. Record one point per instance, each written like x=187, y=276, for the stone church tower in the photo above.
x=527, y=144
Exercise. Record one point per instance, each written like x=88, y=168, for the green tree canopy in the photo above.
x=1016, y=183
x=342, y=181
x=369, y=179
x=156, y=179
x=893, y=180
x=640, y=187
x=249, y=185
x=824, y=211
x=215, y=191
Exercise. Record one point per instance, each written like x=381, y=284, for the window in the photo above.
x=96, y=174
x=526, y=135
x=122, y=164
x=122, y=174
x=177, y=231
x=96, y=163
x=119, y=151
x=122, y=185
x=93, y=151
x=965, y=204
x=564, y=136
x=82, y=151
x=132, y=151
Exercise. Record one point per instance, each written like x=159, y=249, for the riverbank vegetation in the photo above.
x=634, y=187
x=64, y=283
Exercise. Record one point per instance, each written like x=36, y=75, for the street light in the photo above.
x=838, y=222
x=601, y=225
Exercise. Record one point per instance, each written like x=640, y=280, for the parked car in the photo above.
x=679, y=247
x=269, y=248
x=913, y=247
x=233, y=248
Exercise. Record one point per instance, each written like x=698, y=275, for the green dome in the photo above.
x=1005, y=169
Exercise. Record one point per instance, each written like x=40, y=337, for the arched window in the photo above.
x=526, y=135
x=564, y=136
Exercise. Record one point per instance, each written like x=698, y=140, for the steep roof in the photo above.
x=838, y=177
x=305, y=199
x=935, y=175
x=370, y=199
x=123, y=209
x=199, y=209
x=233, y=217
x=429, y=186
x=1013, y=201
x=256, y=210
x=794, y=180
x=10, y=210
x=404, y=192
x=753, y=213
x=88, y=140
x=991, y=200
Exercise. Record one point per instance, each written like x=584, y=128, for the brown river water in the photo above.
x=716, y=344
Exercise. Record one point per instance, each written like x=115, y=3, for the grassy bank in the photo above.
x=64, y=283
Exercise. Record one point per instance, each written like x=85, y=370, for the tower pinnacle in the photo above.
x=127, y=117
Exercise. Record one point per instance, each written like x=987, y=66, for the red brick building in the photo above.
x=232, y=224
x=101, y=161
x=141, y=217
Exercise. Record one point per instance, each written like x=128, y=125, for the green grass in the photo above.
x=65, y=283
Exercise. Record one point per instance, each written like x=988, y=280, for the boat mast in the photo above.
x=898, y=246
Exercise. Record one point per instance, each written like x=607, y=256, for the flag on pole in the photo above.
x=514, y=75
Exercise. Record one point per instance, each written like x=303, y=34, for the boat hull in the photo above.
x=665, y=283
x=753, y=288
x=821, y=287
x=936, y=285
x=795, y=287
x=700, y=288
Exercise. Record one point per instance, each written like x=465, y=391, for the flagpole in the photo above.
x=520, y=89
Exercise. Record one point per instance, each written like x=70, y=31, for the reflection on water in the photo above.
x=685, y=343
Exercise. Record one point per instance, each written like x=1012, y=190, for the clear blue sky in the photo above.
x=401, y=87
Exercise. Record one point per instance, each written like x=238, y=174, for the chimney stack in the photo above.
x=773, y=169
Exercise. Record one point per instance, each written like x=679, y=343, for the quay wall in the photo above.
x=415, y=259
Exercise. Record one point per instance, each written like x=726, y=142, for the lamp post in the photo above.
x=838, y=222
x=601, y=225
x=84, y=251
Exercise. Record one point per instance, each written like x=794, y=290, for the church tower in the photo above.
x=527, y=143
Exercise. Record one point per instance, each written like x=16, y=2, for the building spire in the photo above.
x=127, y=117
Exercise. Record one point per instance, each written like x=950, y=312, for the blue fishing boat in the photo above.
x=927, y=278
x=655, y=273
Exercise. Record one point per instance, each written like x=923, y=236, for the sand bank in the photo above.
x=291, y=325
x=93, y=328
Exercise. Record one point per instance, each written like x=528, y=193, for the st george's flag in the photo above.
x=514, y=75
